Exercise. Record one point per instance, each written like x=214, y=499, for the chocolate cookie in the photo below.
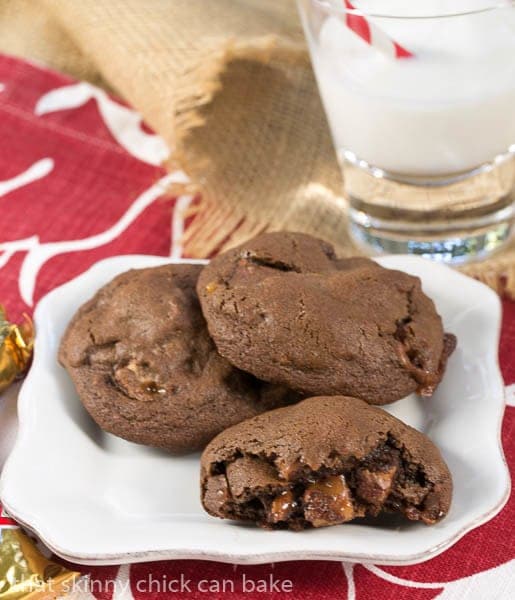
x=146, y=369
x=324, y=461
x=285, y=309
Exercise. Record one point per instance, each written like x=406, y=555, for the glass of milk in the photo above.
x=426, y=142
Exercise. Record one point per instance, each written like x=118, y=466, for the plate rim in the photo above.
x=33, y=523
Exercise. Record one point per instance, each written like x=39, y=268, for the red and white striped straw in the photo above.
x=373, y=35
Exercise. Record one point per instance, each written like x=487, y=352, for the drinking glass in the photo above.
x=426, y=140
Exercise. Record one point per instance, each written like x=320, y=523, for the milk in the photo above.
x=450, y=108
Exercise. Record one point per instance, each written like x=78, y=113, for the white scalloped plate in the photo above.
x=96, y=499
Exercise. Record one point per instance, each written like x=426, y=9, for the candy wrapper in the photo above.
x=24, y=571
x=16, y=343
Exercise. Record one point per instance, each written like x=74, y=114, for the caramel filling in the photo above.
x=249, y=488
x=282, y=507
x=328, y=501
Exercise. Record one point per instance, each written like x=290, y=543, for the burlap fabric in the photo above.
x=228, y=84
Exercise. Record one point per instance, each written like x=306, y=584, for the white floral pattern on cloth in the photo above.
x=123, y=122
x=24, y=258
x=39, y=169
x=125, y=125
x=493, y=583
x=38, y=253
x=36, y=171
x=510, y=395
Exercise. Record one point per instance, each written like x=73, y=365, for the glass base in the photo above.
x=453, y=219
x=466, y=247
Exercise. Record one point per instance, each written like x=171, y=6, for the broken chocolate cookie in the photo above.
x=324, y=461
x=145, y=368
x=283, y=307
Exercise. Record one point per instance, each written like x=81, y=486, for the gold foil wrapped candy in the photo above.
x=16, y=343
x=25, y=572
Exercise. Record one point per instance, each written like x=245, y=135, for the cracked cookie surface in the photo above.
x=324, y=461
x=283, y=307
x=145, y=368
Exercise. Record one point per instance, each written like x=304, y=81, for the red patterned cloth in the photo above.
x=74, y=166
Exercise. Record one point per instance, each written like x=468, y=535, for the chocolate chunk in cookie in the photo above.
x=144, y=366
x=285, y=309
x=324, y=461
